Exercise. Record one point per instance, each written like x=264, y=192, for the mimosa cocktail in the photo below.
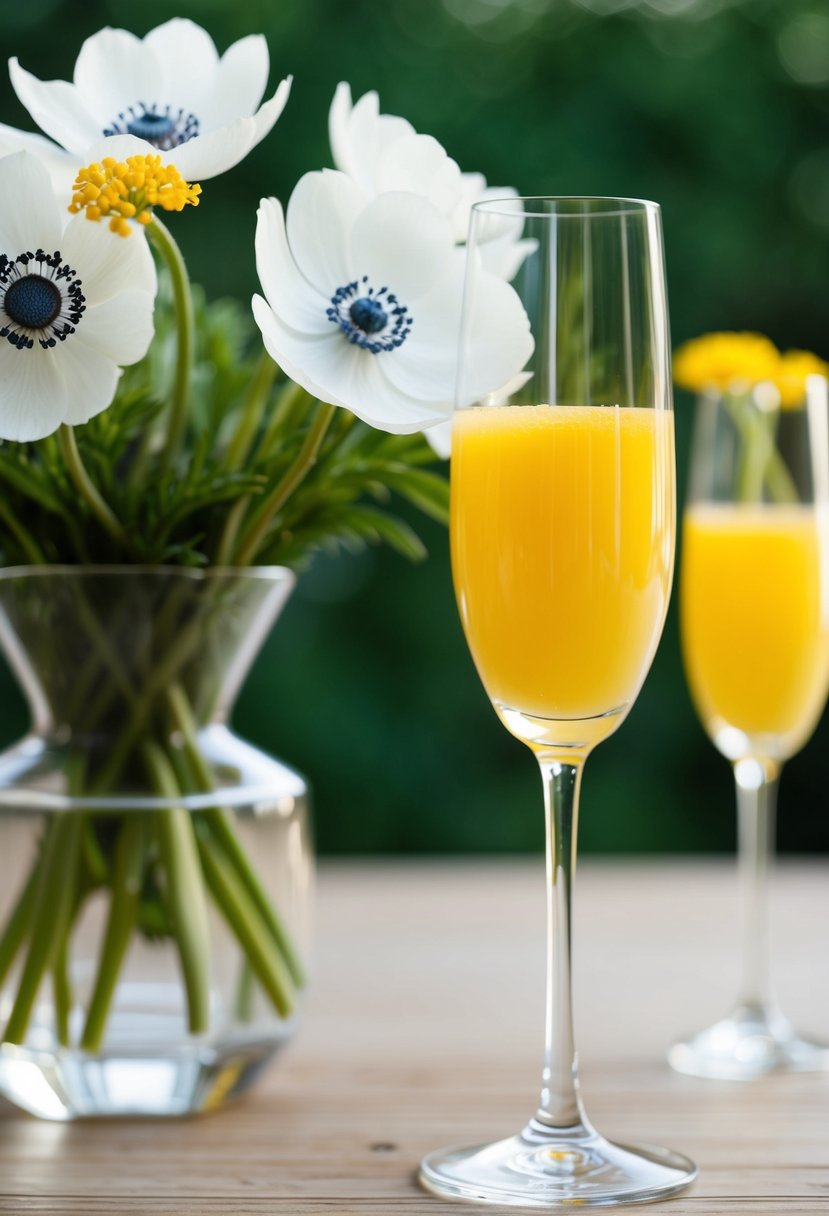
x=562, y=529
x=562, y=552
x=754, y=590
x=755, y=623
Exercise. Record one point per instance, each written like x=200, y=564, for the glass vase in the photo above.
x=155, y=869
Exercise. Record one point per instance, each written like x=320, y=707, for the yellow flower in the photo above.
x=725, y=361
x=793, y=369
x=128, y=190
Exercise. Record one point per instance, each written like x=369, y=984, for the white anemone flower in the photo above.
x=170, y=89
x=383, y=152
x=76, y=305
x=362, y=303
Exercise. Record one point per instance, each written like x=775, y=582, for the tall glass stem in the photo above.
x=560, y=1106
x=757, y=782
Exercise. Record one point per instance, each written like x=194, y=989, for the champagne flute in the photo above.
x=755, y=637
x=562, y=534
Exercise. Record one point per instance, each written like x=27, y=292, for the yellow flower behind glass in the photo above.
x=129, y=190
x=793, y=369
x=726, y=362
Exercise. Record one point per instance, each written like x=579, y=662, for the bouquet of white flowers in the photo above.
x=143, y=426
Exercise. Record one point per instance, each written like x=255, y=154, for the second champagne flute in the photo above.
x=754, y=604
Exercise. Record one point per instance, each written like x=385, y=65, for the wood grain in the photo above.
x=424, y=1029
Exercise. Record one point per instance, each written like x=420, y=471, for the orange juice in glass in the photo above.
x=755, y=629
x=562, y=552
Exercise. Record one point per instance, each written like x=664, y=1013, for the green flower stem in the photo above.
x=231, y=530
x=62, y=990
x=245, y=992
x=257, y=395
x=293, y=405
x=779, y=480
x=221, y=830
x=18, y=924
x=294, y=401
x=241, y=914
x=220, y=825
x=93, y=857
x=123, y=911
x=761, y=464
x=88, y=491
x=296, y=474
x=184, y=889
x=171, y=255
x=187, y=642
x=54, y=905
x=27, y=542
x=82, y=702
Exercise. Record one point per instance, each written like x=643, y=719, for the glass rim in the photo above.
x=194, y=573
x=514, y=205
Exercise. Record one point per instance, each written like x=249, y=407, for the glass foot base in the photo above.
x=69, y=1084
x=749, y=1043
x=541, y=1168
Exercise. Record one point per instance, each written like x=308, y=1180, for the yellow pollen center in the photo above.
x=129, y=190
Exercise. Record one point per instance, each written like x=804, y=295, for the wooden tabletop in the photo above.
x=424, y=1029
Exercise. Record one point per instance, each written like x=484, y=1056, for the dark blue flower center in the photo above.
x=151, y=126
x=164, y=127
x=33, y=301
x=368, y=315
x=373, y=320
x=41, y=299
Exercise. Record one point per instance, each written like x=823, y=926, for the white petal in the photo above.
x=62, y=165
x=372, y=133
x=502, y=395
x=498, y=341
x=119, y=147
x=209, y=155
x=338, y=132
x=57, y=108
x=114, y=70
x=439, y=437
x=188, y=61
x=393, y=410
x=91, y=380
x=33, y=398
x=473, y=186
x=321, y=215
x=288, y=292
x=401, y=242
x=239, y=84
x=419, y=164
x=361, y=136
x=505, y=258
x=105, y=263
x=425, y=365
x=217, y=151
x=267, y=114
x=29, y=215
x=120, y=328
x=301, y=356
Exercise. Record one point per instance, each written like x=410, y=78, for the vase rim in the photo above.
x=196, y=573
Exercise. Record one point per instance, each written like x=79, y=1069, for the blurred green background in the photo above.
x=718, y=110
